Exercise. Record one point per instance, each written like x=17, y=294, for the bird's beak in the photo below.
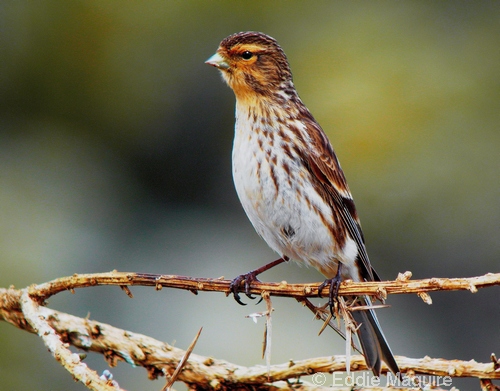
x=217, y=61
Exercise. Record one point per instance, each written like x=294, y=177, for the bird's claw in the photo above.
x=235, y=285
x=333, y=293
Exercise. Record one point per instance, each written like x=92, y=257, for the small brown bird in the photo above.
x=290, y=183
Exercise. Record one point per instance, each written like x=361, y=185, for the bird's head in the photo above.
x=252, y=64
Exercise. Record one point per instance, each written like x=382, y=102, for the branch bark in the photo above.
x=21, y=308
x=401, y=285
x=159, y=357
x=71, y=361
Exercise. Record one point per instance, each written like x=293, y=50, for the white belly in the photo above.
x=284, y=207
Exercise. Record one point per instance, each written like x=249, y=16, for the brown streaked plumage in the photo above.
x=290, y=182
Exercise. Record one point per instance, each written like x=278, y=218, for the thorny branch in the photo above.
x=70, y=361
x=401, y=285
x=22, y=309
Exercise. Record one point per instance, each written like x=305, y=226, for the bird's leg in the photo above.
x=334, y=288
x=250, y=277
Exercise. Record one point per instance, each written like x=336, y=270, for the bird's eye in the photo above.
x=247, y=55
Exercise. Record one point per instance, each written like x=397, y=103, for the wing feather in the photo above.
x=330, y=181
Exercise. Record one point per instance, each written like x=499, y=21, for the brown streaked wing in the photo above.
x=325, y=167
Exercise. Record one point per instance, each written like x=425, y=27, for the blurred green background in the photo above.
x=115, y=143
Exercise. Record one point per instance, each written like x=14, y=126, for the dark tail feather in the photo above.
x=373, y=342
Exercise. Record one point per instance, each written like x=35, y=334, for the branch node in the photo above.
x=426, y=298
x=283, y=284
x=436, y=282
x=107, y=376
x=215, y=384
x=404, y=277
x=209, y=361
x=381, y=294
x=496, y=362
x=126, y=289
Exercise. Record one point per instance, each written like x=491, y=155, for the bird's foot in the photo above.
x=235, y=286
x=333, y=293
x=250, y=277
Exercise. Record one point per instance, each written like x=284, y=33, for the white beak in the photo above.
x=217, y=61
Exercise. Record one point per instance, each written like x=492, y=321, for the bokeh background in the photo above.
x=115, y=143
